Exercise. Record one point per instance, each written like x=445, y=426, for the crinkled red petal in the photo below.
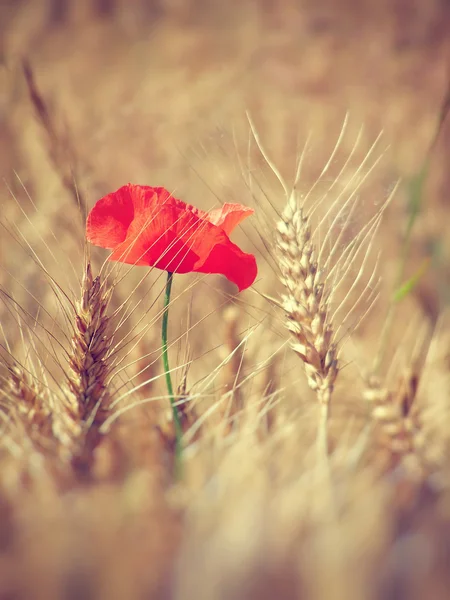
x=164, y=239
x=228, y=216
x=109, y=220
x=228, y=259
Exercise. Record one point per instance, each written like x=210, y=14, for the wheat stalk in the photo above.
x=59, y=146
x=231, y=372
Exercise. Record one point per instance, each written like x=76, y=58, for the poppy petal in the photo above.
x=228, y=259
x=108, y=221
x=169, y=236
x=155, y=240
x=228, y=216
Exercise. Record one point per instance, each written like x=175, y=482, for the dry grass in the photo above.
x=101, y=93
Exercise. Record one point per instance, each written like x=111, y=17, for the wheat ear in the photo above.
x=89, y=367
x=27, y=404
x=305, y=303
x=395, y=413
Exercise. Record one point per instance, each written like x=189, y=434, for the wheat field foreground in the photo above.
x=289, y=441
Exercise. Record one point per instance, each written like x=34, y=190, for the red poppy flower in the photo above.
x=145, y=225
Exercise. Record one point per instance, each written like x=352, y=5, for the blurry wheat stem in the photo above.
x=60, y=148
x=165, y=357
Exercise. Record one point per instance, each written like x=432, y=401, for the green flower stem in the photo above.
x=165, y=357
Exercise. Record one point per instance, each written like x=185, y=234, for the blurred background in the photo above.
x=159, y=92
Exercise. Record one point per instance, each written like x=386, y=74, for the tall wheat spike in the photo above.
x=305, y=303
x=89, y=367
x=306, y=300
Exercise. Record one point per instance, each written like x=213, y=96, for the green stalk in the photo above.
x=415, y=188
x=165, y=357
x=415, y=195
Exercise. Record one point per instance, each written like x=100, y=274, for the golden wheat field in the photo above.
x=291, y=440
